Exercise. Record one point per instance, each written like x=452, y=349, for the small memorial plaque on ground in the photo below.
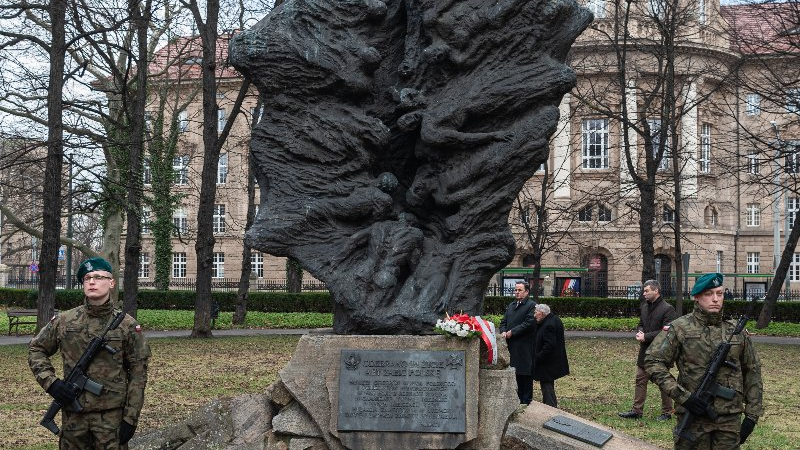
x=578, y=430
x=402, y=390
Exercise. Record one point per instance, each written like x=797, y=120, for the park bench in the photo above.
x=17, y=317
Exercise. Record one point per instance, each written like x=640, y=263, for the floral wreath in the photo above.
x=466, y=327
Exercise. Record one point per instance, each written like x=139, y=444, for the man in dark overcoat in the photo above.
x=517, y=328
x=549, y=354
x=655, y=315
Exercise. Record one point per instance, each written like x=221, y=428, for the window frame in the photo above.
x=752, y=104
x=179, y=264
x=595, y=144
x=222, y=169
x=218, y=220
x=180, y=169
x=144, y=265
x=753, y=262
x=753, y=215
x=218, y=265
x=705, y=148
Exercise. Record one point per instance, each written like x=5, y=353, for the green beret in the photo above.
x=707, y=281
x=92, y=264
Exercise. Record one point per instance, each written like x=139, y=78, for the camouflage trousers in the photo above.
x=93, y=430
x=719, y=434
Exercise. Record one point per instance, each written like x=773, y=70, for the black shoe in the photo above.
x=630, y=415
x=663, y=417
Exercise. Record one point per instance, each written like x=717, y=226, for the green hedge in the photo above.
x=282, y=302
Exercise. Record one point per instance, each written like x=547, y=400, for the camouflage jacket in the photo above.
x=690, y=343
x=123, y=375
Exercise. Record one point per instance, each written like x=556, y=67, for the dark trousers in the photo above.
x=549, y=393
x=525, y=388
x=640, y=394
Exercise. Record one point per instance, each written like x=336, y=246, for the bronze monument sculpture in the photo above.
x=395, y=137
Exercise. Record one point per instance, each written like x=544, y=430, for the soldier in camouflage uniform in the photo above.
x=107, y=421
x=690, y=342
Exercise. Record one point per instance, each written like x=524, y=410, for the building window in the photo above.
x=792, y=207
x=794, y=268
x=752, y=262
x=585, y=213
x=220, y=120
x=219, y=218
x=144, y=265
x=222, y=169
x=753, y=104
x=753, y=164
x=655, y=136
x=145, y=220
x=657, y=8
x=180, y=221
x=595, y=144
x=793, y=100
x=257, y=264
x=753, y=215
x=179, y=265
x=792, y=160
x=218, y=265
x=180, y=166
x=597, y=7
x=147, y=172
x=183, y=121
x=719, y=261
x=701, y=12
x=525, y=216
x=705, y=148
x=603, y=214
x=669, y=214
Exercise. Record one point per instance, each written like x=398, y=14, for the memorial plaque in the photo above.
x=578, y=430
x=402, y=390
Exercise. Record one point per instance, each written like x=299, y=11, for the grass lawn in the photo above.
x=186, y=373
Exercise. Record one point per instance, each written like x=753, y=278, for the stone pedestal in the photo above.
x=312, y=379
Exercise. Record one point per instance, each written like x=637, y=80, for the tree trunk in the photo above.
x=133, y=246
x=247, y=269
x=294, y=275
x=204, y=247
x=51, y=215
x=780, y=276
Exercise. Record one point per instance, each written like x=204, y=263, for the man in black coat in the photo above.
x=517, y=328
x=550, y=353
x=655, y=314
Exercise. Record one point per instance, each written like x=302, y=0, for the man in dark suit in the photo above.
x=655, y=314
x=549, y=353
x=517, y=328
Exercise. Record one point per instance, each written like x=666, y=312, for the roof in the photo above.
x=766, y=28
x=182, y=57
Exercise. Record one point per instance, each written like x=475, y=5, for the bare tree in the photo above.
x=648, y=79
x=769, y=134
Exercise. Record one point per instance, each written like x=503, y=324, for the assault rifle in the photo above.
x=709, y=388
x=77, y=378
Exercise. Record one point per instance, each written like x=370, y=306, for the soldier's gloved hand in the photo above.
x=126, y=431
x=747, y=427
x=696, y=405
x=63, y=393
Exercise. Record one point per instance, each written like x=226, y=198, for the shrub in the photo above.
x=320, y=302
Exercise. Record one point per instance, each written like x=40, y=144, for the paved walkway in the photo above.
x=24, y=339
